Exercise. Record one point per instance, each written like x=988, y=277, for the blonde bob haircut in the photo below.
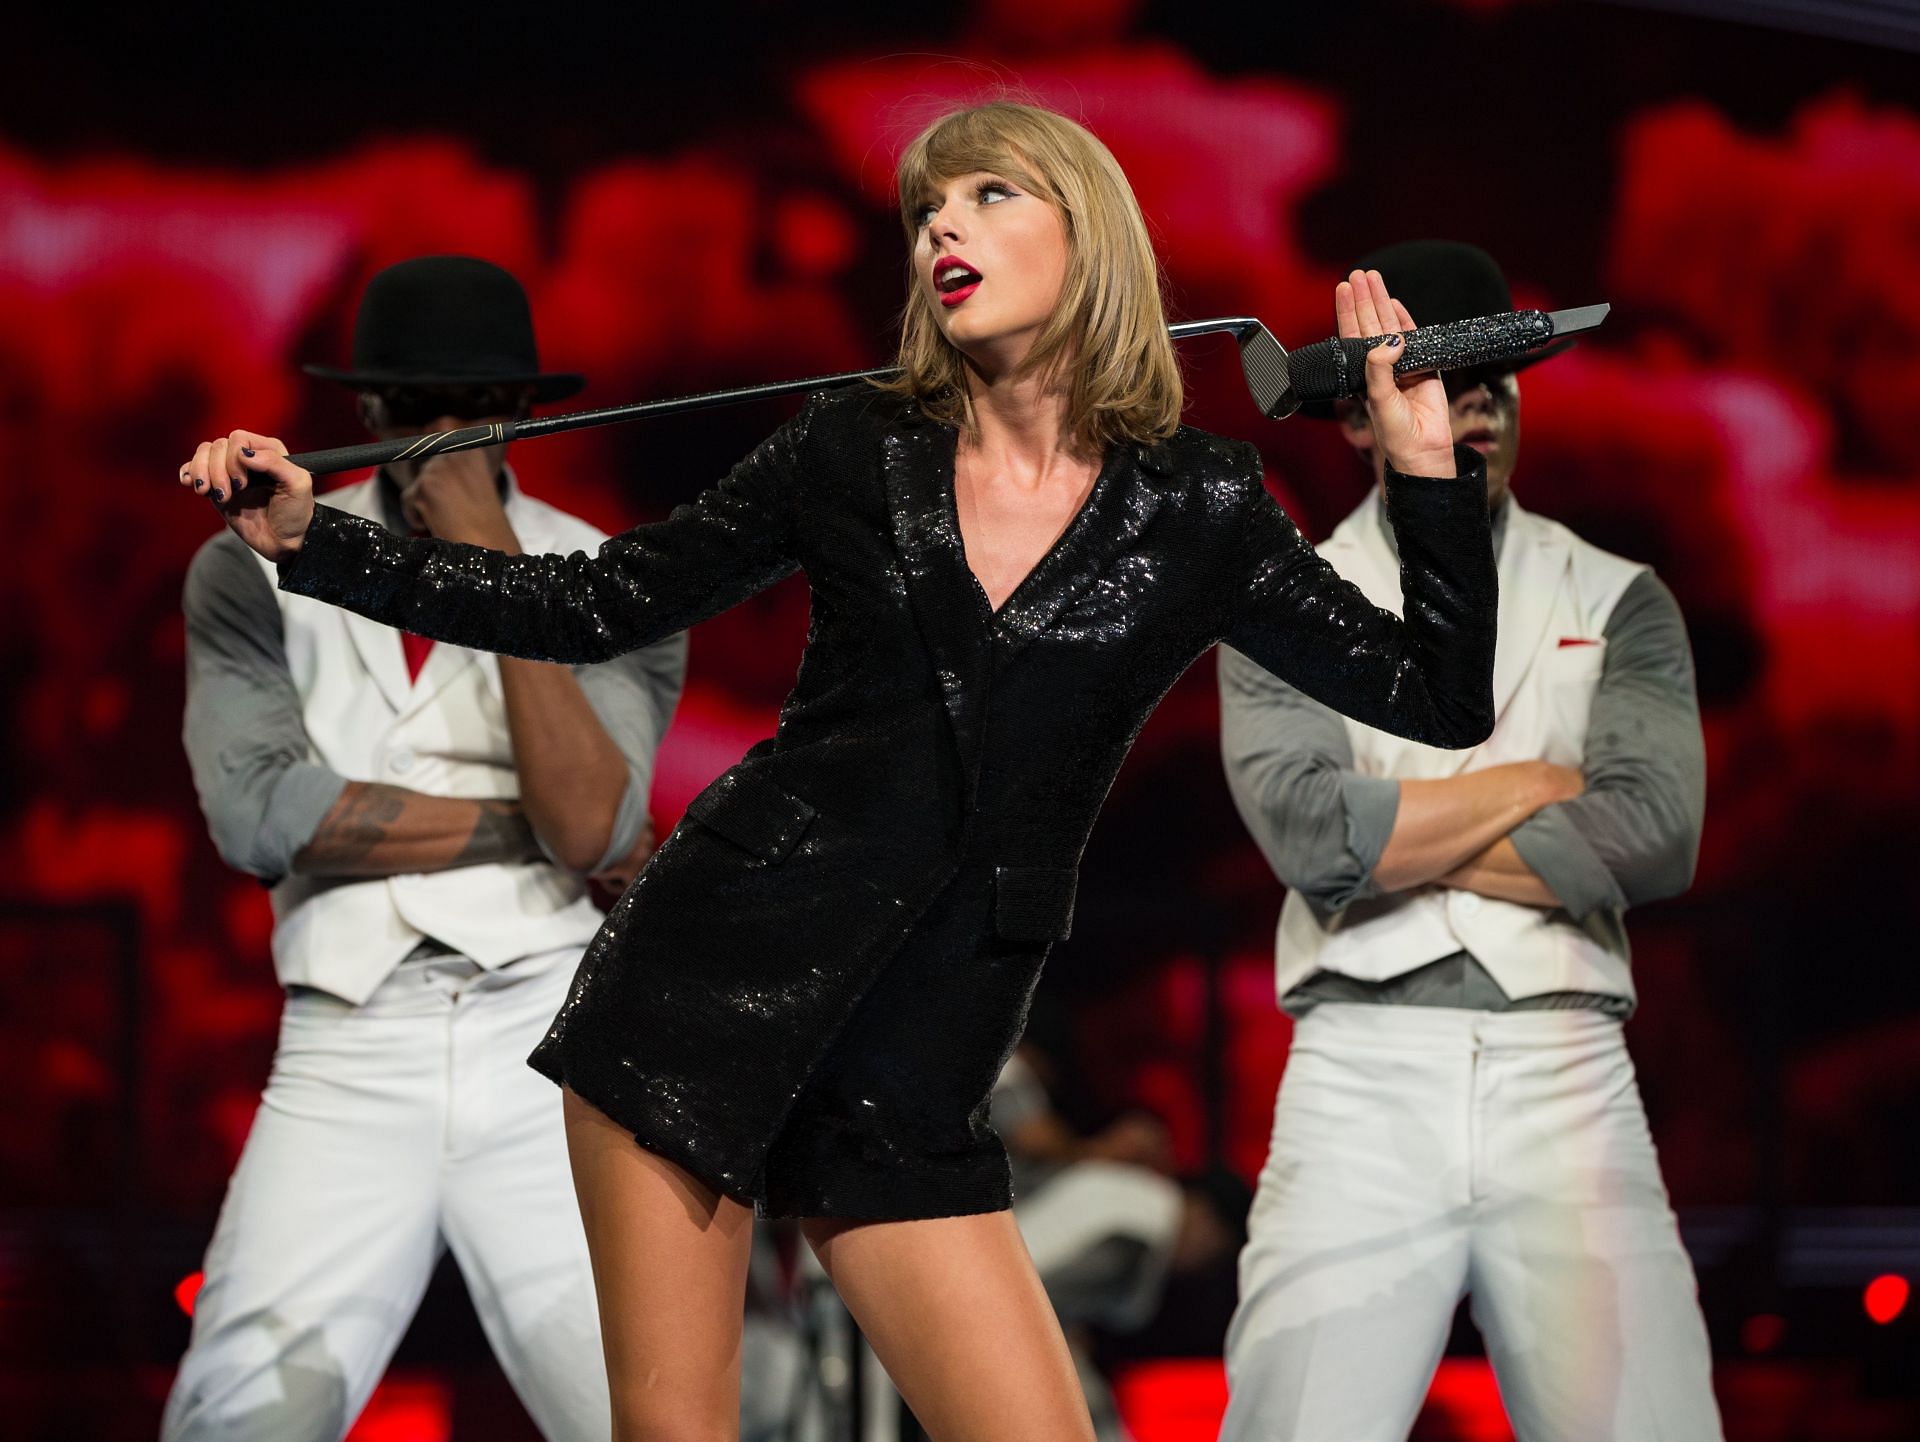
x=1107, y=337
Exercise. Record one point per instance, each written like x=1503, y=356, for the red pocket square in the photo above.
x=1566, y=641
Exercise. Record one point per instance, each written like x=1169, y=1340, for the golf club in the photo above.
x=1281, y=381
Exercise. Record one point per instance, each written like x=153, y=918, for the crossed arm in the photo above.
x=583, y=745
x=376, y=829
x=1456, y=831
x=1623, y=830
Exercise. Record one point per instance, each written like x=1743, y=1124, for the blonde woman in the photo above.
x=803, y=1002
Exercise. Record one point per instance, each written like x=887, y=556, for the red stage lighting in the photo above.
x=407, y=1408
x=188, y=1288
x=1762, y=1332
x=1886, y=1297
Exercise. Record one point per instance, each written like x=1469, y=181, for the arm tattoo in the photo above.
x=380, y=830
x=501, y=832
x=358, y=822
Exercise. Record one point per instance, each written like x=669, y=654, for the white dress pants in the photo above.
x=387, y=1133
x=1423, y=1153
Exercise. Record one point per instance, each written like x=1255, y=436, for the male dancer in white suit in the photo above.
x=1459, y=1116
x=427, y=817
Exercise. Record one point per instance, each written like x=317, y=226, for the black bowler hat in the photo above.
x=446, y=320
x=1443, y=280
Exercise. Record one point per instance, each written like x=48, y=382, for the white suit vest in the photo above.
x=444, y=733
x=1556, y=593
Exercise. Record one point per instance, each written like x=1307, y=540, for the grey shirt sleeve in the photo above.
x=261, y=791
x=1321, y=825
x=1634, y=834
x=634, y=696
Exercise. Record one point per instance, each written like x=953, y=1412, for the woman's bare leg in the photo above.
x=670, y=1267
x=955, y=1312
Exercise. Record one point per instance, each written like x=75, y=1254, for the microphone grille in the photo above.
x=1321, y=371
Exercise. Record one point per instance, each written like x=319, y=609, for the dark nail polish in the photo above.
x=218, y=494
x=246, y=450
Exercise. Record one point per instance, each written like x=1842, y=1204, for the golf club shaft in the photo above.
x=1322, y=371
x=466, y=438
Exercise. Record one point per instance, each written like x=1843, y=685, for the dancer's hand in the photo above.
x=617, y=877
x=1410, y=415
x=265, y=499
x=457, y=498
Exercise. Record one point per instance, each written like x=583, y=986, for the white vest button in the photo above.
x=1467, y=902
x=402, y=760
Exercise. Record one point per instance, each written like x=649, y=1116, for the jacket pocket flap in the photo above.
x=753, y=814
x=1033, y=903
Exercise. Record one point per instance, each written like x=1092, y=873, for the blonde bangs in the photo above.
x=956, y=145
x=1107, y=337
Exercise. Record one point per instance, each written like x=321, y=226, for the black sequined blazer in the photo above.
x=806, y=996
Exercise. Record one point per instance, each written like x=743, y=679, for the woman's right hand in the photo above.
x=264, y=498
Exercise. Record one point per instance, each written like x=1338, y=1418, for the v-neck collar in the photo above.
x=1132, y=482
x=1035, y=577
x=964, y=635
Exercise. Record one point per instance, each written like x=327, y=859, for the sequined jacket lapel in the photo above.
x=1122, y=502
x=948, y=605
x=962, y=633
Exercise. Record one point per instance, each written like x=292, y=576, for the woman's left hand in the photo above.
x=1411, y=416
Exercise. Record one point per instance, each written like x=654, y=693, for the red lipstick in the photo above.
x=954, y=280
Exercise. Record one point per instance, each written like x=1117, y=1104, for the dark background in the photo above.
x=698, y=196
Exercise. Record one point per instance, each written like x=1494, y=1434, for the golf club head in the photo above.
x=1263, y=357
x=1265, y=361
